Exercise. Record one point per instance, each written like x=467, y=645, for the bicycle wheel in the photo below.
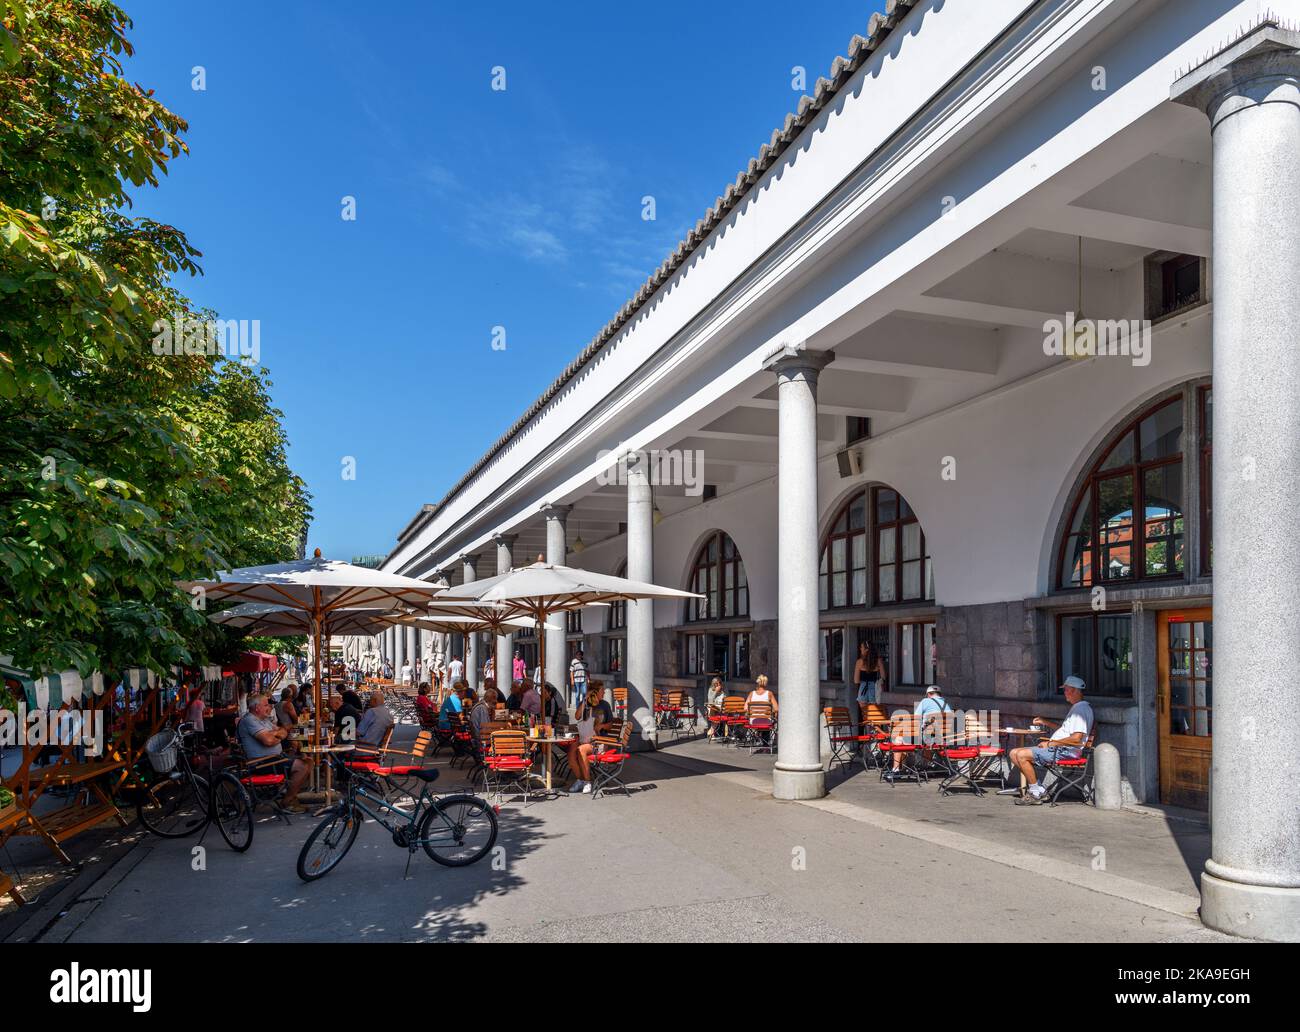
x=328, y=843
x=458, y=830
x=232, y=809
x=174, y=807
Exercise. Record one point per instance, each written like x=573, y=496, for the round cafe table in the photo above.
x=547, y=743
x=1023, y=734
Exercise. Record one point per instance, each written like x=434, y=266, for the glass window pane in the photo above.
x=1161, y=434
x=904, y=510
x=859, y=587
x=912, y=579
x=1121, y=454
x=859, y=544
x=838, y=547
x=1115, y=655
x=929, y=577
x=1162, y=490
x=912, y=541
x=839, y=589
x=742, y=602
x=1076, y=648
x=886, y=506
x=858, y=512
x=908, y=659
x=1207, y=417
x=1115, y=523
x=885, y=587
x=822, y=589
x=887, y=542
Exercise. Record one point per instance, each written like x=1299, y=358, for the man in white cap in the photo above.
x=927, y=710
x=1065, y=741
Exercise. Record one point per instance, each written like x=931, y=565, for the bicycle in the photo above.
x=455, y=830
x=182, y=801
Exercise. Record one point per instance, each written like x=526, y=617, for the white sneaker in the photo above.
x=579, y=786
x=586, y=788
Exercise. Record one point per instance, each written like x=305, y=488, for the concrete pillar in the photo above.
x=469, y=574
x=798, y=773
x=399, y=652
x=505, y=654
x=1251, y=92
x=557, y=550
x=640, y=659
x=1105, y=777
x=412, y=646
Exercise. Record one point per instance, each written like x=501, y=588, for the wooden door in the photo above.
x=1184, y=706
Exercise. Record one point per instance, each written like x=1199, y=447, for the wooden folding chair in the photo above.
x=507, y=761
x=607, y=766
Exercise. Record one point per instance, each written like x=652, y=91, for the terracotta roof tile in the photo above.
x=878, y=28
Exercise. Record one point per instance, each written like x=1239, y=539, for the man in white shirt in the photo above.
x=1064, y=743
x=578, y=677
x=456, y=670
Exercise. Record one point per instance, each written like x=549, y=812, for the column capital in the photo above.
x=791, y=359
x=556, y=512
x=1260, y=67
x=505, y=540
x=467, y=559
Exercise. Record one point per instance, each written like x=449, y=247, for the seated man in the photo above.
x=927, y=710
x=375, y=722
x=484, y=711
x=262, y=743
x=347, y=716
x=1065, y=742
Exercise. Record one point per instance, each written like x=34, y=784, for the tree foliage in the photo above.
x=120, y=470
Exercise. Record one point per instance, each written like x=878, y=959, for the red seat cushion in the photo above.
x=897, y=747
x=508, y=762
x=760, y=722
x=1071, y=761
x=609, y=757
x=404, y=769
x=264, y=779
x=968, y=753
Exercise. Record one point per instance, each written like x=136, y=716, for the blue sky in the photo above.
x=475, y=208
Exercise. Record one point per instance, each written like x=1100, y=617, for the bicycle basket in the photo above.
x=161, y=750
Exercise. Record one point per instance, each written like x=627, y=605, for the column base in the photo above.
x=798, y=784
x=1253, y=911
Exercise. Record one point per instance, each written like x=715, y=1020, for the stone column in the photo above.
x=798, y=773
x=469, y=574
x=557, y=551
x=505, y=642
x=640, y=659
x=1251, y=92
x=412, y=646
x=399, y=652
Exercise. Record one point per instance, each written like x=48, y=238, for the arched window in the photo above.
x=718, y=575
x=1127, y=521
x=894, y=547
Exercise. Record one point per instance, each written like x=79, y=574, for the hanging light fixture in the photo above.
x=1080, y=342
x=658, y=516
x=578, y=544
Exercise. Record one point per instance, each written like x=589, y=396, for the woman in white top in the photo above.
x=762, y=695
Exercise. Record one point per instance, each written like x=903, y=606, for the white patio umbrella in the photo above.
x=318, y=587
x=543, y=588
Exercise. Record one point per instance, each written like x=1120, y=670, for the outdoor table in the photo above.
x=1023, y=733
x=547, y=743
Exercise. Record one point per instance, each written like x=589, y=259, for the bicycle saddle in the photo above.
x=426, y=774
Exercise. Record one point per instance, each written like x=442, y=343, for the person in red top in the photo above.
x=424, y=706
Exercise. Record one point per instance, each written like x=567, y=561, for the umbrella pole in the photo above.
x=315, y=734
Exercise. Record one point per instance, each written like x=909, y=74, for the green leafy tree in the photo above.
x=120, y=470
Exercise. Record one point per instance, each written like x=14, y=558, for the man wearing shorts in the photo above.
x=1065, y=742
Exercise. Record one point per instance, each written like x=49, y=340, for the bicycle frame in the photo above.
x=358, y=796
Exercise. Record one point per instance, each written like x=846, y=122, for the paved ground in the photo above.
x=699, y=852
